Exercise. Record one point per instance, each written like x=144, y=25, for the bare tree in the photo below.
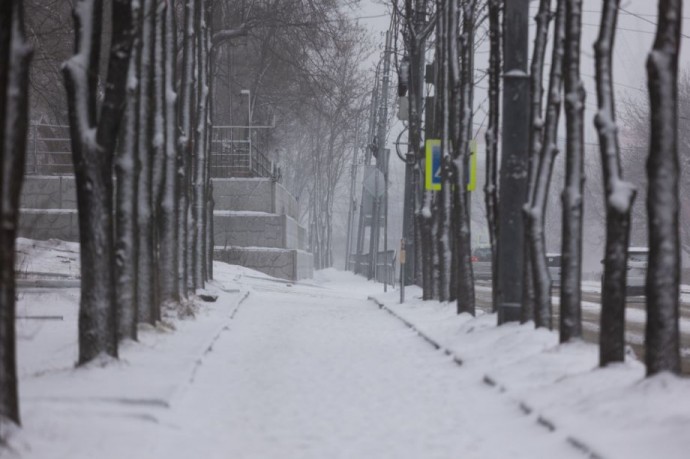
x=491, y=183
x=539, y=201
x=184, y=145
x=619, y=198
x=15, y=55
x=145, y=223
x=169, y=234
x=535, y=142
x=571, y=261
x=93, y=144
x=127, y=173
x=663, y=274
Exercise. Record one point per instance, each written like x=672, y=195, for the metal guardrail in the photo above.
x=49, y=152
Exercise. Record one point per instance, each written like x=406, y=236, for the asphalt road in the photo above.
x=635, y=320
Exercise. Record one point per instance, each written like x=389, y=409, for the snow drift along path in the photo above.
x=308, y=372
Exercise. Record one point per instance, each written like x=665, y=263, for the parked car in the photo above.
x=481, y=263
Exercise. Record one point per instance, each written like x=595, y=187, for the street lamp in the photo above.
x=247, y=92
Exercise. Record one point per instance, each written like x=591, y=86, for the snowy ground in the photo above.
x=316, y=370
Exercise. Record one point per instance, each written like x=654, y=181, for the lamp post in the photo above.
x=248, y=93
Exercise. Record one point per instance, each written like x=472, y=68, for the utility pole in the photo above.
x=381, y=163
x=515, y=147
x=353, y=204
x=366, y=200
x=417, y=32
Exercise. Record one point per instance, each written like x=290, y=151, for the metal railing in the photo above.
x=234, y=155
x=49, y=152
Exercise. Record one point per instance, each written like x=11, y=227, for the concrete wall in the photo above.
x=43, y=224
x=253, y=194
x=281, y=263
x=48, y=192
x=254, y=229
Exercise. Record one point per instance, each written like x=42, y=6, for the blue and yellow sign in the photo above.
x=433, y=165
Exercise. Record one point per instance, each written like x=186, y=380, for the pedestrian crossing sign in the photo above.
x=433, y=165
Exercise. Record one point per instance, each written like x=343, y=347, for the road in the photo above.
x=635, y=320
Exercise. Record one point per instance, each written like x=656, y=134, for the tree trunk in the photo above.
x=168, y=223
x=618, y=200
x=199, y=195
x=185, y=144
x=491, y=183
x=462, y=249
x=93, y=145
x=145, y=290
x=549, y=150
x=536, y=135
x=15, y=55
x=127, y=173
x=571, y=253
x=663, y=273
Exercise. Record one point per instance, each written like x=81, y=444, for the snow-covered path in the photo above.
x=309, y=372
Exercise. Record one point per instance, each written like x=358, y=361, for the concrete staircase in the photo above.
x=255, y=222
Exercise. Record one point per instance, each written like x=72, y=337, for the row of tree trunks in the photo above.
x=15, y=56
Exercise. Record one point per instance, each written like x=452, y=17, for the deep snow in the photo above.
x=316, y=370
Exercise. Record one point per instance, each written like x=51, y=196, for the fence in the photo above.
x=49, y=152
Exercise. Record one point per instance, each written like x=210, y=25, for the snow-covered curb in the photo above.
x=612, y=412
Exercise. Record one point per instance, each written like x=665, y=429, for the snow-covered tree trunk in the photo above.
x=462, y=79
x=93, y=144
x=199, y=166
x=571, y=253
x=549, y=150
x=168, y=224
x=619, y=196
x=158, y=148
x=542, y=19
x=126, y=197
x=145, y=222
x=492, y=132
x=185, y=144
x=663, y=272
x=444, y=196
x=208, y=183
x=15, y=55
